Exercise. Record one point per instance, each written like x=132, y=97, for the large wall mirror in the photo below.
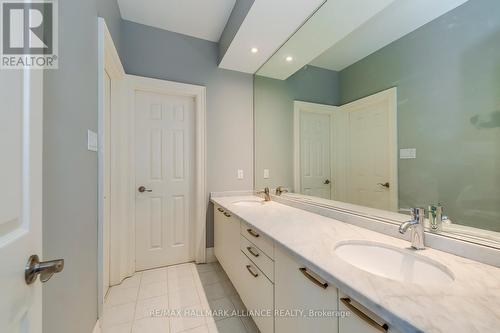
x=393, y=106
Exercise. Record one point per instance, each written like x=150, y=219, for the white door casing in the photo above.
x=107, y=182
x=164, y=155
x=314, y=146
x=112, y=221
x=21, y=121
x=371, y=156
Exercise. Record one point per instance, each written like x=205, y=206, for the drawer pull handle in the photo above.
x=253, y=233
x=249, y=268
x=313, y=279
x=226, y=214
x=220, y=210
x=251, y=250
x=347, y=302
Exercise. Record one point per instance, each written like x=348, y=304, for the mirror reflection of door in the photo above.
x=371, y=161
x=314, y=129
x=348, y=153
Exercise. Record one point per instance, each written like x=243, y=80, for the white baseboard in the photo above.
x=97, y=327
x=210, y=255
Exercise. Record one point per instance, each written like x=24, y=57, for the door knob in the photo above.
x=45, y=269
x=326, y=182
x=386, y=185
x=142, y=189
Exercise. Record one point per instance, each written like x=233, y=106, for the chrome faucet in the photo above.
x=416, y=224
x=267, y=197
x=280, y=190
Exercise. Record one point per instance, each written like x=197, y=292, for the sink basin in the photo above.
x=249, y=203
x=393, y=263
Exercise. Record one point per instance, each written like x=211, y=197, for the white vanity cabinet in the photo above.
x=227, y=241
x=299, y=288
x=256, y=275
x=256, y=292
x=360, y=320
x=290, y=296
x=246, y=256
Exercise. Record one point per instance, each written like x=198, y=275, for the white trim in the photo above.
x=388, y=96
x=332, y=111
x=108, y=61
x=201, y=199
x=211, y=255
x=97, y=327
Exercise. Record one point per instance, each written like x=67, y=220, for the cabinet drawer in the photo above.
x=361, y=319
x=263, y=242
x=259, y=258
x=257, y=292
x=298, y=288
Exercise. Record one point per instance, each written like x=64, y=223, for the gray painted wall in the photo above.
x=70, y=171
x=238, y=14
x=166, y=55
x=448, y=79
x=274, y=119
x=109, y=10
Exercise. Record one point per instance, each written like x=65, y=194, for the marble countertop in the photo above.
x=471, y=303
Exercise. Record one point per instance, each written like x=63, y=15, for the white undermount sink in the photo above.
x=249, y=203
x=393, y=263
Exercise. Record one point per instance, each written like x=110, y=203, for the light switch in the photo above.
x=407, y=153
x=240, y=174
x=266, y=173
x=91, y=140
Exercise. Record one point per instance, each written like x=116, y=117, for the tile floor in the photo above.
x=187, y=287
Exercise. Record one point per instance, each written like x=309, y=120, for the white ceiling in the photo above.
x=331, y=23
x=198, y=18
x=267, y=26
x=333, y=40
x=396, y=21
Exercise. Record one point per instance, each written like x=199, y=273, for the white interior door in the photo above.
x=21, y=197
x=164, y=164
x=315, y=134
x=315, y=154
x=107, y=182
x=372, y=151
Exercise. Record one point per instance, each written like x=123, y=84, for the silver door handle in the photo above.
x=386, y=185
x=45, y=269
x=143, y=189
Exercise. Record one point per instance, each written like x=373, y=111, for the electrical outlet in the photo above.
x=91, y=140
x=266, y=173
x=408, y=153
x=240, y=174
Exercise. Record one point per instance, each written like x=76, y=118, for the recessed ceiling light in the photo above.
x=289, y=58
x=254, y=50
